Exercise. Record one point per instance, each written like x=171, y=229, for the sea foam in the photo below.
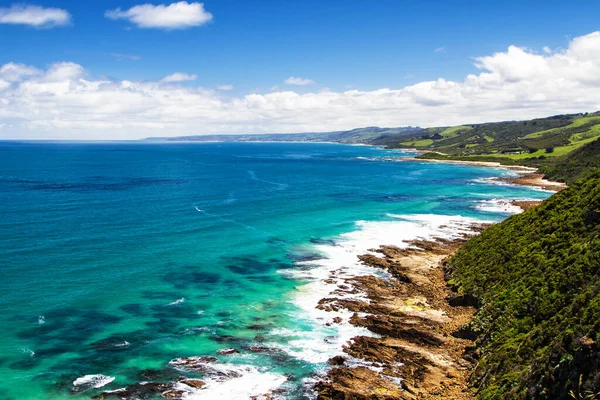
x=498, y=206
x=339, y=261
x=93, y=381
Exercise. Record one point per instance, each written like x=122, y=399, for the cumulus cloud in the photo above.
x=292, y=80
x=36, y=16
x=179, y=77
x=179, y=15
x=15, y=72
x=225, y=87
x=62, y=101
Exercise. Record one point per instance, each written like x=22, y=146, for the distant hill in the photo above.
x=564, y=147
x=511, y=140
x=369, y=135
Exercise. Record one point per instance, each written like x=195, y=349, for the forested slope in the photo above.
x=576, y=165
x=536, y=277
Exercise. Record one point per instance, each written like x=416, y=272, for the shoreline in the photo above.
x=528, y=176
x=418, y=349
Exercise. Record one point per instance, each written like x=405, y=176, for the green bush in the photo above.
x=537, y=278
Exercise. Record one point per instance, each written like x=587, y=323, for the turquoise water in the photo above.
x=119, y=257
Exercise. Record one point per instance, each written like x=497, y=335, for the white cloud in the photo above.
x=440, y=50
x=225, y=87
x=179, y=77
x=292, y=80
x=179, y=15
x=35, y=16
x=15, y=72
x=63, y=102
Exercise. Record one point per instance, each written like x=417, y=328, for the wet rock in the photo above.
x=337, y=360
x=261, y=349
x=193, y=362
x=147, y=390
x=374, y=261
x=173, y=394
x=225, y=352
x=195, y=383
x=206, y=365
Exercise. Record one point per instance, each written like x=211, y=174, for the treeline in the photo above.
x=536, y=278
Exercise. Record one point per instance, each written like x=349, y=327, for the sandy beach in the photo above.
x=528, y=176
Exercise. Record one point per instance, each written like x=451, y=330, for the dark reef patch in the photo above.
x=134, y=309
x=183, y=280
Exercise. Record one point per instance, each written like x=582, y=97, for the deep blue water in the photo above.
x=119, y=257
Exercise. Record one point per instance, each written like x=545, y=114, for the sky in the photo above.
x=120, y=69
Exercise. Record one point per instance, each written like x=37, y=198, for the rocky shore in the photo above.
x=420, y=350
x=533, y=179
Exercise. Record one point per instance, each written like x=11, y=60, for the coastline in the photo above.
x=419, y=349
x=409, y=350
x=527, y=176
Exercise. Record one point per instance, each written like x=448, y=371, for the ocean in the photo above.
x=117, y=258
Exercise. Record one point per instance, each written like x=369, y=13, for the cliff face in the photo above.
x=537, y=280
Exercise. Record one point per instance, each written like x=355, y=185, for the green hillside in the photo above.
x=368, y=135
x=513, y=140
x=536, y=277
x=579, y=164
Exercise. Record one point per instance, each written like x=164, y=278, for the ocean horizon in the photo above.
x=120, y=257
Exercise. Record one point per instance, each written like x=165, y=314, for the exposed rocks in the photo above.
x=173, y=394
x=526, y=204
x=195, y=383
x=261, y=349
x=533, y=179
x=358, y=384
x=337, y=360
x=144, y=390
x=225, y=352
x=193, y=362
x=423, y=351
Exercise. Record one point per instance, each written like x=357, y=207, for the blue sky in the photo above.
x=253, y=45
x=338, y=45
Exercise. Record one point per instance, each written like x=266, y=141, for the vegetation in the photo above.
x=562, y=146
x=536, y=277
x=521, y=140
x=578, y=164
x=517, y=140
x=370, y=135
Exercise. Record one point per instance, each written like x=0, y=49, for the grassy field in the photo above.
x=510, y=140
x=454, y=131
x=577, y=122
x=418, y=143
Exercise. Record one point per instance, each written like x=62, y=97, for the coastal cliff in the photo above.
x=536, y=278
x=511, y=313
